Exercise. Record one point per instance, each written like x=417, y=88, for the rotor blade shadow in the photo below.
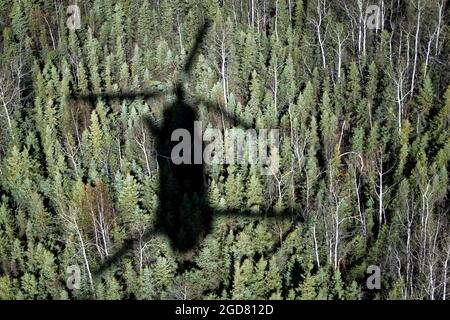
x=203, y=30
x=130, y=95
x=132, y=243
x=126, y=248
x=229, y=117
x=253, y=215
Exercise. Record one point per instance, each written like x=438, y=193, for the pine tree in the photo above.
x=242, y=276
x=288, y=84
x=19, y=21
x=255, y=194
x=248, y=58
x=113, y=290
x=92, y=48
x=354, y=105
x=233, y=189
x=253, y=105
x=29, y=288
x=7, y=291
x=128, y=198
x=425, y=101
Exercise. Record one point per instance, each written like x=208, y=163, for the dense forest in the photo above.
x=363, y=115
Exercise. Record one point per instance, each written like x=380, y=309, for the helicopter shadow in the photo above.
x=184, y=213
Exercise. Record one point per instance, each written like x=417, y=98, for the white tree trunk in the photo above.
x=416, y=45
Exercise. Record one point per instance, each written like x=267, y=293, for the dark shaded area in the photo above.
x=184, y=214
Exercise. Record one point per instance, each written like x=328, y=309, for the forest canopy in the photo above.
x=363, y=114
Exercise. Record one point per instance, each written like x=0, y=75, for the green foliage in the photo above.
x=363, y=177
